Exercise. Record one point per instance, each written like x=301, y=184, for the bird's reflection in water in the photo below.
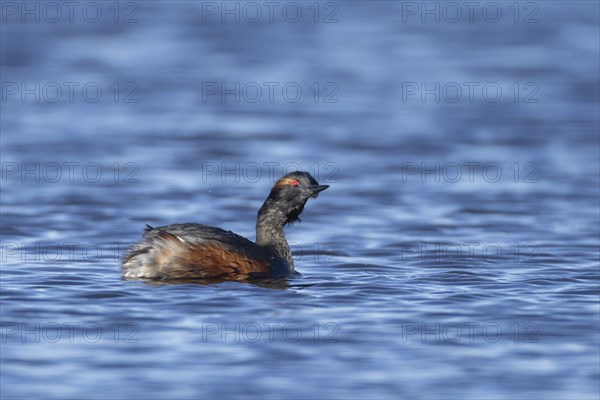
x=277, y=284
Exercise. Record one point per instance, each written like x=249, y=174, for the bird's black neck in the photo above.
x=270, y=234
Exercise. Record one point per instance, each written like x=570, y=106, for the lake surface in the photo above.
x=455, y=255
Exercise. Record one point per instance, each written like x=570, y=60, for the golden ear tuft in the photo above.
x=285, y=182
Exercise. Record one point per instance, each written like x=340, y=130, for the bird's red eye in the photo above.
x=295, y=182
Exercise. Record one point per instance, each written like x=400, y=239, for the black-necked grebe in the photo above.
x=195, y=251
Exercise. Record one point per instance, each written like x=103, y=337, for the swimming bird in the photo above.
x=197, y=251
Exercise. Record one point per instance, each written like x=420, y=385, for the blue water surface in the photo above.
x=455, y=255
